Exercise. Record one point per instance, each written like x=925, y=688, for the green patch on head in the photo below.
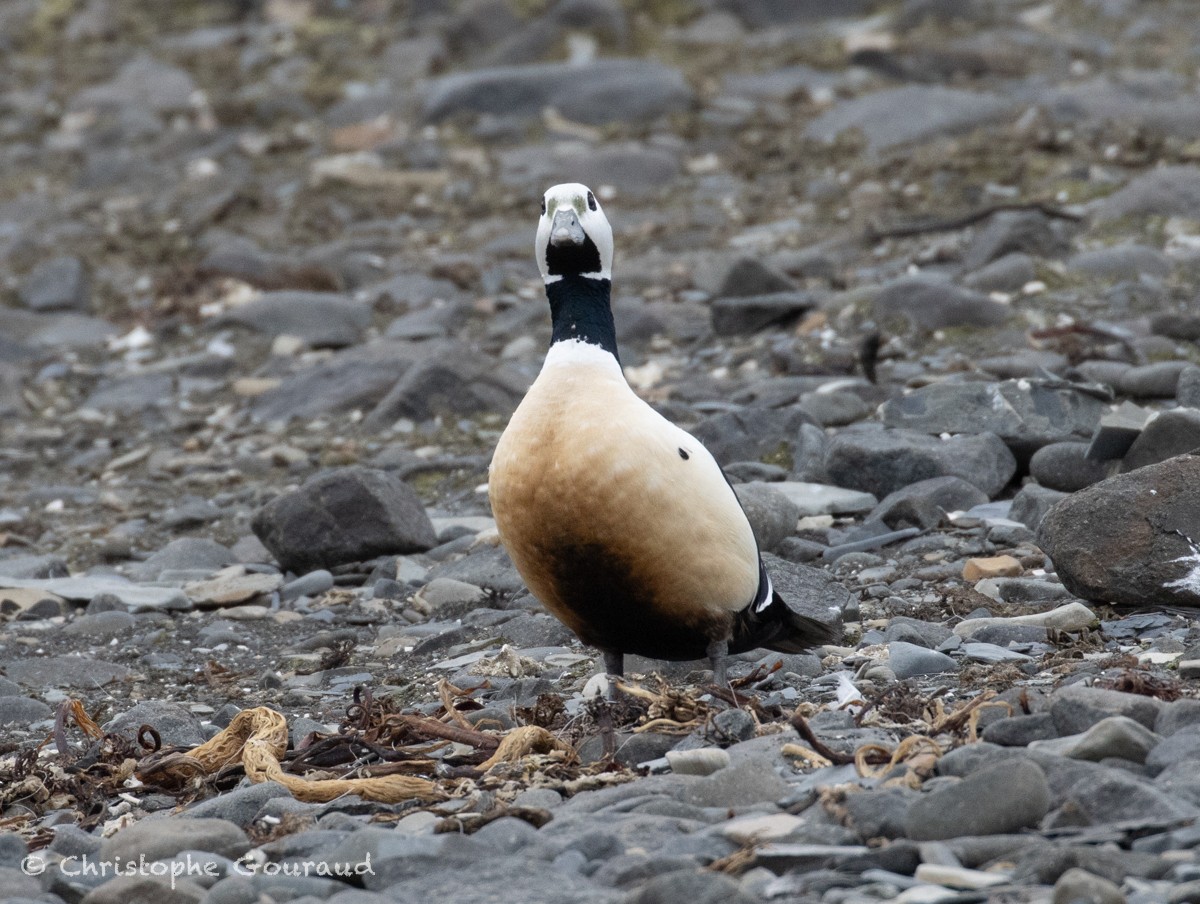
x=578, y=205
x=551, y=206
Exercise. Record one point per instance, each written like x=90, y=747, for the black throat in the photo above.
x=580, y=309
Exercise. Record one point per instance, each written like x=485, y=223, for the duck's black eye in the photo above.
x=543, y=206
x=591, y=201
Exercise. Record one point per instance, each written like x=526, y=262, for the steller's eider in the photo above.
x=622, y=524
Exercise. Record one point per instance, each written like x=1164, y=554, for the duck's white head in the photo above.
x=573, y=235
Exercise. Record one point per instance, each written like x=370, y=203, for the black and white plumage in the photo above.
x=622, y=524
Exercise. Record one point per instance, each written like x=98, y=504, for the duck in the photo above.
x=621, y=523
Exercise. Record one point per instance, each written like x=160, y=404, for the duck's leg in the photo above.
x=614, y=664
x=718, y=652
x=614, y=667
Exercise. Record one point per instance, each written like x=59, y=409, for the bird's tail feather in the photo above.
x=781, y=628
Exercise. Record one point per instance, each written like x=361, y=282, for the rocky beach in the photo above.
x=921, y=274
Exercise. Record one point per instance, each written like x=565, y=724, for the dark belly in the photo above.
x=619, y=606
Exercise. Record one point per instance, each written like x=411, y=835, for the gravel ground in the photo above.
x=922, y=276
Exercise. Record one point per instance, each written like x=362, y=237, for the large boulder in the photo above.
x=346, y=515
x=1131, y=539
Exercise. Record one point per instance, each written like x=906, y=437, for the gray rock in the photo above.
x=1174, y=325
x=245, y=261
x=1025, y=414
x=1141, y=558
x=430, y=322
x=1008, y=273
x=594, y=93
x=101, y=626
x=990, y=652
x=346, y=515
x=142, y=889
x=1004, y=797
x=312, y=584
x=780, y=84
x=184, y=554
x=696, y=887
x=449, y=597
x=1118, y=795
x=1182, y=745
x=239, y=806
x=1152, y=381
x=489, y=567
x=59, y=284
x=811, y=592
x=926, y=502
x=142, y=83
x=750, y=313
x=930, y=303
x=879, y=813
x=884, y=461
x=1003, y=635
x=1121, y=262
x=175, y=724
x=914, y=631
x=1021, y=731
x=1176, y=716
x=33, y=567
x=161, y=838
x=507, y=834
x=1187, y=389
x=1078, y=885
x=747, y=276
x=1076, y=708
x=133, y=394
x=1026, y=362
x=1162, y=191
x=908, y=660
x=752, y=434
x=84, y=589
x=459, y=383
x=766, y=13
x=772, y=515
x=1032, y=502
x=909, y=115
x=1116, y=736
x=639, y=169
x=23, y=711
x=71, y=841
x=823, y=499
x=353, y=379
x=321, y=319
x=1009, y=231
x=808, y=455
x=1066, y=467
x=63, y=671
x=1168, y=434
x=835, y=408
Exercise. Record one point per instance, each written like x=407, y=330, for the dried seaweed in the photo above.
x=1138, y=681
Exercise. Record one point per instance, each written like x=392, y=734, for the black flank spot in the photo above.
x=683, y=454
